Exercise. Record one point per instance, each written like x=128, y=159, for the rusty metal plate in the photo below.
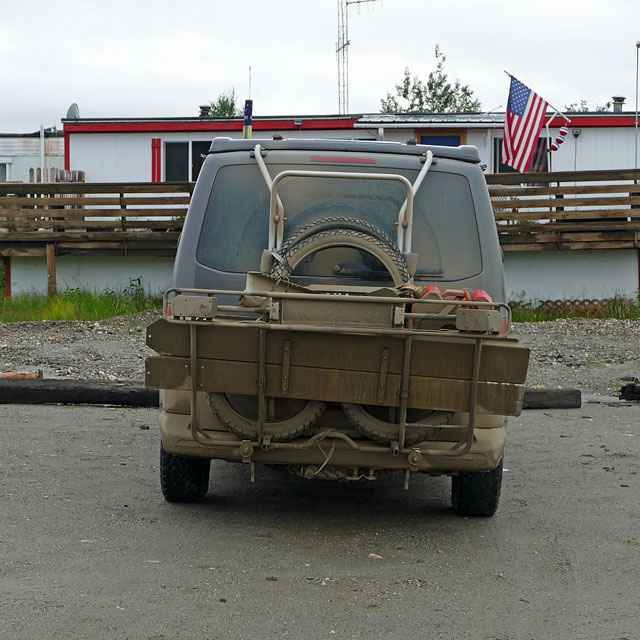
x=503, y=360
x=332, y=385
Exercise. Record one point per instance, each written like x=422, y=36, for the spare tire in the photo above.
x=386, y=432
x=338, y=222
x=341, y=232
x=238, y=414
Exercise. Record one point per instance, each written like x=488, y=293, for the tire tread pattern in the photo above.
x=387, y=432
x=183, y=478
x=280, y=431
x=477, y=493
x=337, y=228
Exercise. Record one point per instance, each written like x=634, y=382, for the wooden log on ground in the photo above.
x=46, y=391
x=631, y=392
x=552, y=399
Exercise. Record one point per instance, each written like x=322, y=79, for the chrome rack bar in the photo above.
x=276, y=220
x=404, y=391
x=262, y=384
x=196, y=433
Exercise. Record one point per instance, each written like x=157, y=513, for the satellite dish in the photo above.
x=73, y=113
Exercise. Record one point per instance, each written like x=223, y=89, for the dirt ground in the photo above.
x=590, y=355
x=89, y=549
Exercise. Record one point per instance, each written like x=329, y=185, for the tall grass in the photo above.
x=619, y=308
x=75, y=305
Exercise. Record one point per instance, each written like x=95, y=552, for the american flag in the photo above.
x=525, y=112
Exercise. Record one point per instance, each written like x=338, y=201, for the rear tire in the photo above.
x=477, y=493
x=183, y=478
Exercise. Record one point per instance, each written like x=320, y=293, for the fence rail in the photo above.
x=533, y=212
x=92, y=218
x=567, y=210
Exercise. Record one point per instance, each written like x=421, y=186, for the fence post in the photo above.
x=51, y=269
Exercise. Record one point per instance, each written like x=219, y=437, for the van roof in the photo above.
x=465, y=153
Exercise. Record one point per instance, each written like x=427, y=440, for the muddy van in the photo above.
x=337, y=312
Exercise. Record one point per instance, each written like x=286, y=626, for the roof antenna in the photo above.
x=249, y=96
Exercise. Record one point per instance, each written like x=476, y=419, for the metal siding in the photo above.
x=579, y=274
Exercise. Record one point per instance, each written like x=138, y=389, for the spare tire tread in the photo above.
x=387, y=432
x=366, y=241
x=280, y=431
x=338, y=222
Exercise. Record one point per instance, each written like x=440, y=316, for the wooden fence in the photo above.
x=567, y=210
x=562, y=210
x=92, y=218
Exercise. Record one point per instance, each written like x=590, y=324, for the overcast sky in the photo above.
x=137, y=58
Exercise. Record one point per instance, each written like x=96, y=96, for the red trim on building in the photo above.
x=158, y=127
x=156, y=167
x=7, y=276
x=317, y=124
x=599, y=121
x=67, y=157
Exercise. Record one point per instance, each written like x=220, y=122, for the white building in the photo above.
x=21, y=153
x=170, y=149
x=145, y=149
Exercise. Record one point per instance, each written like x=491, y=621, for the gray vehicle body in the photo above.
x=296, y=345
x=390, y=157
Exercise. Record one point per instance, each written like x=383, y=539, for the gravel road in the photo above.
x=591, y=355
x=89, y=549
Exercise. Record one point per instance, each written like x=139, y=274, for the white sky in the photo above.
x=138, y=58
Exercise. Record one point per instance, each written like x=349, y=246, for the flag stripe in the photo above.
x=530, y=133
x=525, y=114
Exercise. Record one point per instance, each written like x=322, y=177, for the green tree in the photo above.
x=583, y=106
x=438, y=95
x=226, y=104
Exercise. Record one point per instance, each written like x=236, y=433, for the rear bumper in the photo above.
x=485, y=452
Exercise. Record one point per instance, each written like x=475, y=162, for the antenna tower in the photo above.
x=342, y=52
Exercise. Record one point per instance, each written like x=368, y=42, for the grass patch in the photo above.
x=75, y=305
x=618, y=308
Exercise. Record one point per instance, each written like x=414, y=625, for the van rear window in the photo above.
x=235, y=228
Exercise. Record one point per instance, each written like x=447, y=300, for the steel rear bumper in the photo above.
x=485, y=452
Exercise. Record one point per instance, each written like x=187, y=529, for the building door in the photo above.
x=176, y=164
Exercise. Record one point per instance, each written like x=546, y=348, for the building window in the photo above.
x=198, y=149
x=176, y=163
x=443, y=141
x=540, y=161
x=3, y=172
x=183, y=160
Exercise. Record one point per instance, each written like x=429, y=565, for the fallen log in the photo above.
x=630, y=392
x=552, y=399
x=51, y=391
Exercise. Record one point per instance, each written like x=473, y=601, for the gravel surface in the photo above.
x=592, y=355
x=112, y=349
x=90, y=550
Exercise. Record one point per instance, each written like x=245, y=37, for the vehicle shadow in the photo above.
x=278, y=496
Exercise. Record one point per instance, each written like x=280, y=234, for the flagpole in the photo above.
x=557, y=111
x=549, y=154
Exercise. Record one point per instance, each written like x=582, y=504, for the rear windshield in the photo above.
x=235, y=228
